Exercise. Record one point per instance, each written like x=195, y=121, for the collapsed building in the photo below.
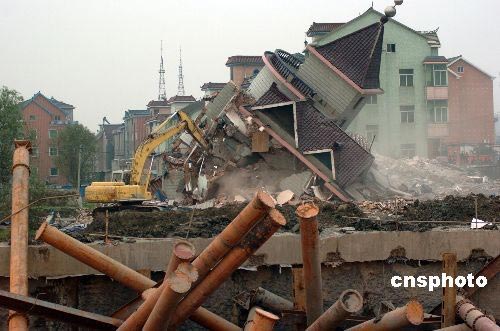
x=291, y=120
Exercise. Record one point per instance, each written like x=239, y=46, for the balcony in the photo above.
x=437, y=130
x=437, y=92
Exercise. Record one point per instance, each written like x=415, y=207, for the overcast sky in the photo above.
x=102, y=56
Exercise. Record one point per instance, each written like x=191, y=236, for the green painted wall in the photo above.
x=411, y=49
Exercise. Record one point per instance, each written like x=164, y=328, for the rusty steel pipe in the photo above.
x=176, y=285
x=232, y=261
x=93, y=258
x=182, y=252
x=458, y=327
x=213, y=321
x=473, y=317
x=269, y=301
x=350, y=301
x=260, y=320
x=19, y=230
x=411, y=314
x=253, y=212
x=309, y=239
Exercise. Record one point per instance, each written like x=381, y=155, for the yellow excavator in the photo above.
x=131, y=195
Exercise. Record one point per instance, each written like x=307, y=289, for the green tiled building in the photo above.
x=410, y=70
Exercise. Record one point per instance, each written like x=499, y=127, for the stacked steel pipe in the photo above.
x=232, y=261
x=260, y=206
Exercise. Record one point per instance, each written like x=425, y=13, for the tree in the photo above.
x=70, y=139
x=11, y=128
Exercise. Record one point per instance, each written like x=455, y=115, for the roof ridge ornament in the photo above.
x=390, y=11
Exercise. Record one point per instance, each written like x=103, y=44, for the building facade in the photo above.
x=471, y=118
x=105, y=151
x=45, y=118
x=396, y=121
x=243, y=66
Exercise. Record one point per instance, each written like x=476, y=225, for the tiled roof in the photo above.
x=244, y=59
x=357, y=55
x=136, y=112
x=272, y=96
x=182, y=98
x=460, y=57
x=321, y=28
x=60, y=104
x=212, y=86
x=158, y=103
x=435, y=59
x=432, y=36
x=316, y=132
x=453, y=59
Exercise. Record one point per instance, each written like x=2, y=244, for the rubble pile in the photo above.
x=390, y=215
x=429, y=178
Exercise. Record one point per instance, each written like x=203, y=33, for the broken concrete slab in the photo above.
x=296, y=182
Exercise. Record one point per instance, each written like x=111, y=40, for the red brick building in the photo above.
x=46, y=117
x=243, y=66
x=471, y=113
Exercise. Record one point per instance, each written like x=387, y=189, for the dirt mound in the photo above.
x=209, y=222
x=453, y=208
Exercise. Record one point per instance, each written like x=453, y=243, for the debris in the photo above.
x=284, y=197
x=239, y=198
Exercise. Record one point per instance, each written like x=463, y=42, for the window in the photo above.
x=54, y=171
x=407, y=150
x=53, y=151
x=32, y=118
x=460, y=70
x=255, y=71
x=35, y=152
x=52, y=133
x=406, y=77
x=407, y=114
x=438, y=111
x=391, y=48
x=440, y=75
x=371, y=99
x=371, y=133
x=57, y=118
x=34, y=170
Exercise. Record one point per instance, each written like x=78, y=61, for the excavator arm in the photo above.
x=156, y=138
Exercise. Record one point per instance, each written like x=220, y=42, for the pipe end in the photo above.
x=22, y=143
x=41, y=230
x=277, y=217
x=184, y=250
x=308, y=210
x=266, y=199
x=266, y=314
x=415, y=312
x=351, y=300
